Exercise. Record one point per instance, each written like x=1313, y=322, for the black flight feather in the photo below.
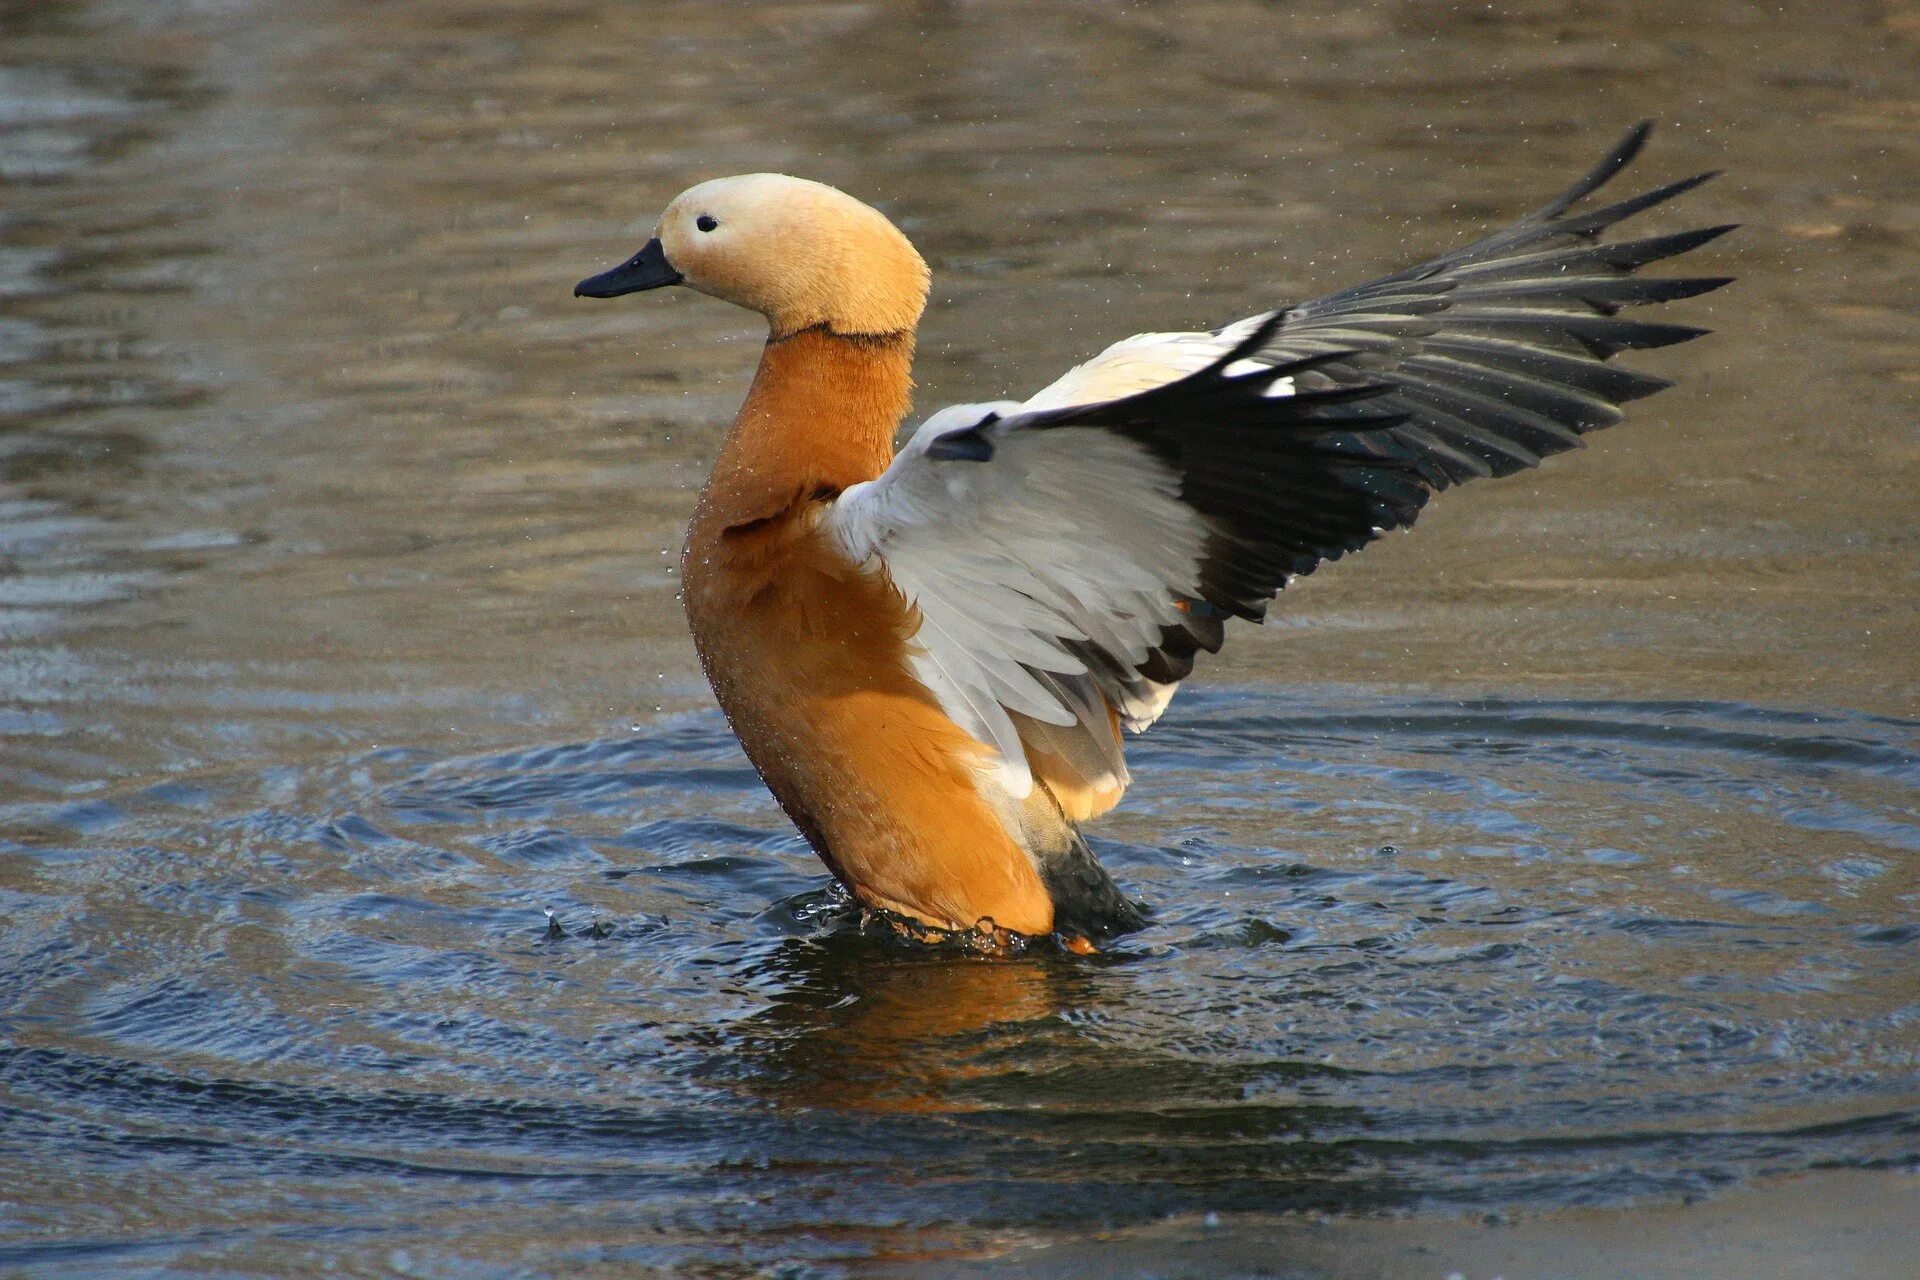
x=1479, y=362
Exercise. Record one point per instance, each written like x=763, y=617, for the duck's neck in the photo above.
x=820, y=416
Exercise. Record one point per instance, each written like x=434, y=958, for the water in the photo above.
x=1564, y=853
x=1432, y=955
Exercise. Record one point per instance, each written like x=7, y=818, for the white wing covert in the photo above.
x=1064, y=556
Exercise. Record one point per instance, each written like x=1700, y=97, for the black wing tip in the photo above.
x=1653, y=336
x=1594, y=221
x=1619, y=157
x=1686, y=241
x=1697, y=285
x=1678, y=187
x=1645, y=384
x=1719, y=229
x=1624, y=152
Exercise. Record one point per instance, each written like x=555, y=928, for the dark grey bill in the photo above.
x=647, y=269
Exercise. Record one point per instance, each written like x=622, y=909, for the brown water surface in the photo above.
x=1560, y=857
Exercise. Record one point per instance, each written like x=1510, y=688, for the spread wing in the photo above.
x=1069, y=555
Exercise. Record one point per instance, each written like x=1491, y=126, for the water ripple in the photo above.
x=1402, y=994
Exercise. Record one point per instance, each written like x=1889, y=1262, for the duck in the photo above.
x=933, y=655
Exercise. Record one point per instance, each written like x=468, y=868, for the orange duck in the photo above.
x=931, y=656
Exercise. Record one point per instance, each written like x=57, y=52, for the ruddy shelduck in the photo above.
x=931, y=656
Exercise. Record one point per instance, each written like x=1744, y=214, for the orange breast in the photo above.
x=808, y=658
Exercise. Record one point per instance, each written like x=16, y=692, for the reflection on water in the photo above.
x=338, y=644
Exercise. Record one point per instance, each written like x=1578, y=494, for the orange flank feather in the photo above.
x=1074, y=773
x=808, y=653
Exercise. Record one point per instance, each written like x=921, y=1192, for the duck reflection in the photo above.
x=1007, y=1072
x=865, y=1022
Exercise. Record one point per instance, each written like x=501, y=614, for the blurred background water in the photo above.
x=1561, y=856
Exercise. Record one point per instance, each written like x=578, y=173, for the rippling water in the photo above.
x=1412, y=954
x=380, y=894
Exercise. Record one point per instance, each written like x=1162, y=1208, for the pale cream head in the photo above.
x=800, y=253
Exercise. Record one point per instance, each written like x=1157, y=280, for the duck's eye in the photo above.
x=705, y=222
